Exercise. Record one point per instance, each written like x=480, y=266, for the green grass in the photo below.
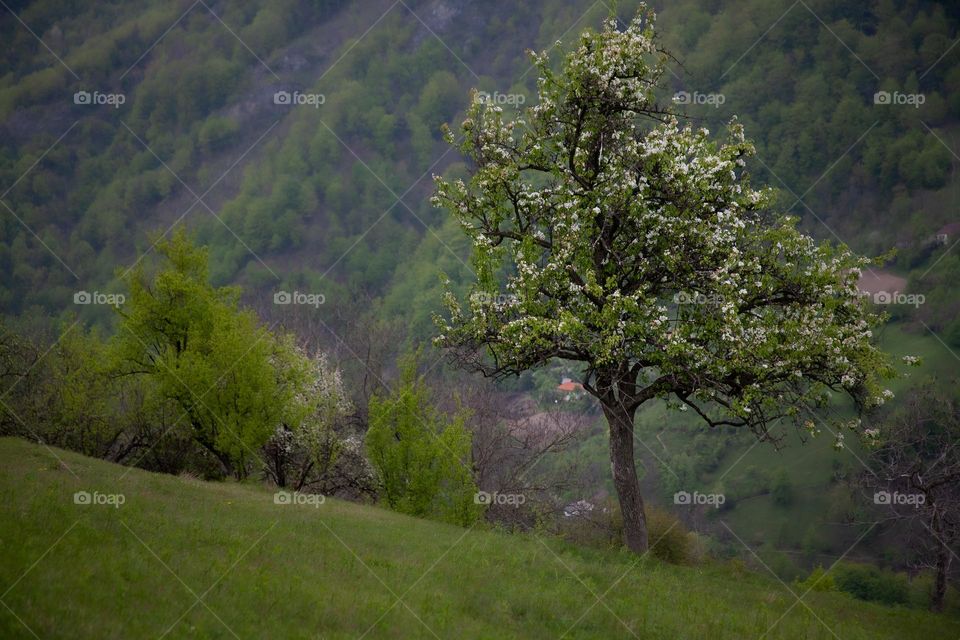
x=336, y=571
x=938, y=361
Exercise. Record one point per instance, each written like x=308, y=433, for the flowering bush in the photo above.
x=306, y=448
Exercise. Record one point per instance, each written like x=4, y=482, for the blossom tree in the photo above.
x=607, y=234
x=305, y=446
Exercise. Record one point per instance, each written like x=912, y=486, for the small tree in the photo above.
x=914, y=472
x=422, y=462
x=304, y=453
x=65, y=398
x=637, y=249
x=233, y=379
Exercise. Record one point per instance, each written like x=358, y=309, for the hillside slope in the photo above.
x=335, y=195
x=190, y=559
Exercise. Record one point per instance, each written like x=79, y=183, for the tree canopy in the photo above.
x=234, y=380
x=608, y=234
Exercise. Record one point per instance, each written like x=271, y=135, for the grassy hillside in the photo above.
x=216, y=560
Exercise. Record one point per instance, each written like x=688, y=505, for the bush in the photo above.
x=738, y=568
x=669, y=539
x=603, y=527
x=422, y=461
x=952, y=333
x=867, y=582
x=782, y=489
x=921, y=589
x=217, y=132
x=818, y=580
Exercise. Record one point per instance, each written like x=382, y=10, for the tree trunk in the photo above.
x=625, y=475
x=943, y=564
x=279, y=468
x=226, y=465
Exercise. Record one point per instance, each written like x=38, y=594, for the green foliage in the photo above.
x=781, y=488
x=818, y=580
x=216, y=133
x=952, y=335
x=602, y=527
x=80, y=397
x=440, y=98
x=597, y=239
x=868, y=582
x=192, y=100
x=232, y=379
x=670, y=540
x=780, y=563
x=802, y=96
x=922, y=587
x=68, y=397
x=422, y=461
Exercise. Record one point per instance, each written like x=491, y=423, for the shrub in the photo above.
x=217, y=132
x=782, y=489
x=768, y=557
x=601, y=527
x=818, y=580
x=738, y=567
x=867, y=582
x=187, y=337
x=422, y=462
x=921, y=589
x=669, y=539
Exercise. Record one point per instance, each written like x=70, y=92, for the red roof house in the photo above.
x=569, y=386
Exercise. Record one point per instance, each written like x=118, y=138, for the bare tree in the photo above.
x=512, y=437
x=350, y=329
x=914, y=471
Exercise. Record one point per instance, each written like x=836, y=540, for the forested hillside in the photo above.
x=332, y=195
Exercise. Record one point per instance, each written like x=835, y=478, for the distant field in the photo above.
x=201, y=560
x=876, y=280
x=938, y=360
